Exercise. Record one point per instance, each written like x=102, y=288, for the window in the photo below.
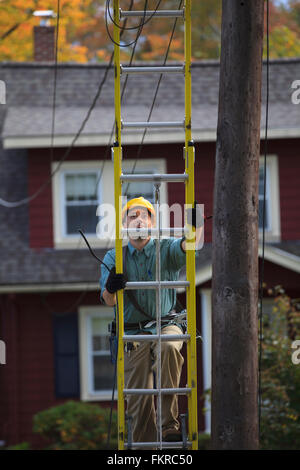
x=136, y=189
x=272, y=203
x=83, y=195
x=96, y=368
x=78, y=188
x=65, y=328
x=81, y=199
x=145, y=188
x=99, y=349
x=261, y=199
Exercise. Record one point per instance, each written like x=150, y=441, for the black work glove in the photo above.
x=115, y=281
x=195, y=216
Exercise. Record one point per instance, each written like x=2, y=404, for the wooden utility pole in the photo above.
x=235, y=229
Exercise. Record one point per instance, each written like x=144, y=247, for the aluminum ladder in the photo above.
x=188, y=179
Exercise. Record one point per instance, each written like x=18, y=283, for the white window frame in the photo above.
x=106, y=194
x=86, y=314
x=63, y=199
x=61, y=239
x=273, y=230
x=151, y=165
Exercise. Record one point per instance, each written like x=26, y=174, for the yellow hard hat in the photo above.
x=138, y=202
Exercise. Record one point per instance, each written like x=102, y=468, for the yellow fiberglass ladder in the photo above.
x=191, y=440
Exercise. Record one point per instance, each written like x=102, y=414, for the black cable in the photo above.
x=101, y=171
x=139, y=32
x=139, y=152
x=91, y=251
x=108, y=146
x=123, y=28
x=263, y=232
x=115, y=374
x=154, y=99
x=116, y=336
x=66, y=154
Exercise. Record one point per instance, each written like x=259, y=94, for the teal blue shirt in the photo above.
x=141, y=266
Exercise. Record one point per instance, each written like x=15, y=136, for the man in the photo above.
x=140, y=358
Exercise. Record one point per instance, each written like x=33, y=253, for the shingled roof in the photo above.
x=25, y=121
x=28, y=118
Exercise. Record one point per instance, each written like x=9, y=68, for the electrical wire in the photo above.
x=132, y=27
x=139, y=32
x=75, y=305
x=27, y=200
x=263, y=230
x=108, y=146
x=154, y=98
x=137, y=157
x=91, y=251
x=36, y=194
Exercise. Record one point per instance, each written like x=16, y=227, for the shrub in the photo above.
x=203, y=441
x=21, y=446
x=280, y=378
x=76, y=426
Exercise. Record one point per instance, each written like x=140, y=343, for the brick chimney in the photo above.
x=44, y=37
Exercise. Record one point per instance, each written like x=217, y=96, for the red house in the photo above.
x=53, y=326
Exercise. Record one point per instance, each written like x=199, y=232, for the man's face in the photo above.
x=138, y=217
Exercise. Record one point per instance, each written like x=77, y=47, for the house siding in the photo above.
x=289, y=170
x=27, y=380
x=41, y=216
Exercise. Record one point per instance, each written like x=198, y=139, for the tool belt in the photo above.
x=142, y=324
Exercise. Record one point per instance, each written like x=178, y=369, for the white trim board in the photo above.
x=281, y=257
x=85, y=365
x=206, y=328
x=209, y=135
x=57, y=287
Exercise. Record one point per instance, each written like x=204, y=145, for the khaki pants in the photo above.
x=139, y=368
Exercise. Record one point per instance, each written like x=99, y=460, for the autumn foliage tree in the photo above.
x=83, y=36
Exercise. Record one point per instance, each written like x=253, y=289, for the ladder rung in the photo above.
x=144, y=124
x=140, y=338
x=155, y=284
x=153, y=232
x=153, y=13
x=173, y=178
x=165, y=445
x=154, y=391
x=165, y=69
